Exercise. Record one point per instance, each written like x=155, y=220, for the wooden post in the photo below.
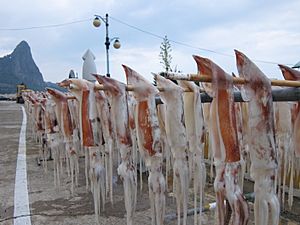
x=236, y=80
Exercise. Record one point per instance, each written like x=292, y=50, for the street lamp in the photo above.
x=116, y=44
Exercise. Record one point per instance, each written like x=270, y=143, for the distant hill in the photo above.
x=19, y=67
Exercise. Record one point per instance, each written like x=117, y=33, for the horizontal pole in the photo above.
x=99, y=87
x=289, y=94
x=71, y=97
x=236, y=80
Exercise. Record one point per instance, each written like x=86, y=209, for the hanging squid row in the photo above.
x=118, y=131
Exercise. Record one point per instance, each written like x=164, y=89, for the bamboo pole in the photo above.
x=289, y=94
x=206, y=79
x=236, y=80
x=279, y=95
x=285, y=94
x=71, y=97
x=128, y=88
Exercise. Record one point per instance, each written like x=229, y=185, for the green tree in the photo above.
x=165, y=54
x=165, y=57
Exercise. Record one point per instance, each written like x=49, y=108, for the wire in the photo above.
x=188, y=45
x=135, y=28
x=161, y=37
x=45, y=26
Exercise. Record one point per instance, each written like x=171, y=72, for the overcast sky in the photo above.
x=263, y=30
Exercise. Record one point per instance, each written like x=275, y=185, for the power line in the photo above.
x=188, y=45
x=174, y=41
x=135, y=28
x=45, y=26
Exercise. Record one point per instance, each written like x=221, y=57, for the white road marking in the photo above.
x=21, y=201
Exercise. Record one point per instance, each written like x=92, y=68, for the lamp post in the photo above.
x=117, y=44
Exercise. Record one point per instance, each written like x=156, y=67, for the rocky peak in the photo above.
x=22, y=49
x=19, y=67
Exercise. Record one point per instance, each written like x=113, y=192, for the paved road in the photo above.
x=53, y=206
x=10, y=123
x=50, y=205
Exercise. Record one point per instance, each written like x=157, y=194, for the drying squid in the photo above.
x=53, y=137
x=242, y=130
x=292, y=74
x=66, y=127
x=161, y=114
x=94, y=169
x=241, y=140
x=262, y=146
x=97, y=178
x=176, y=135
x=39, y=126
x=119, y=111
x=44, y=146
x=73, y=105
x=104, y=113
x=207, y=145
x=84, y=93
x=283, y=125
x=225, y=145
x=148, y=135
x=245, y=137
x=31, y=111
x=195, y=132
x=135, y=153
x=74, y=110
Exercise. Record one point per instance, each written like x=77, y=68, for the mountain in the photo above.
x=19, y=67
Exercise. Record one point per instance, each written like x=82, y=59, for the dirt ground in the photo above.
x=56, y=206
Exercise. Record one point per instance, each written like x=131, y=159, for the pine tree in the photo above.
x=165, y=54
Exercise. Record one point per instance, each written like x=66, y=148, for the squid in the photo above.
x=66, y=127
x=104, y=113
x=195, y=130
x=83, y=90
x=39, y=126
x=136, y=156
x=225, y=144
x=43, y=138
x=73, y=105
x=283, y=127
x=84, y=93
x=53, y=136
x=29, y=106
x=148, y=135
x=292, y=74
x=62, y=112
x=241, y=111
x=161, y=114
x=238, y=108
x=206, y=115
x=176, y=136
x=262, y=147
x=126, y=170
x=245, y=135
x=97, y=178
